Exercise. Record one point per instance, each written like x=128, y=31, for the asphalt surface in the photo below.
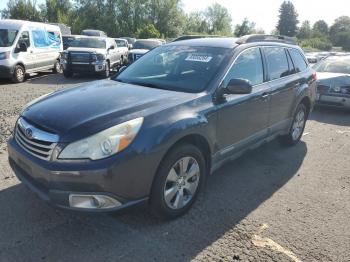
x=272, y=204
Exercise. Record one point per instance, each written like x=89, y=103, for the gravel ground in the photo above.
x=273, y=204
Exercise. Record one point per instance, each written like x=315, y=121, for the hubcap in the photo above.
x=19, y=74
x=298, y=124
x=181, y=183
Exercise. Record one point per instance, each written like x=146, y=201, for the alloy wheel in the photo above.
x=298, y=124
x=182, y=183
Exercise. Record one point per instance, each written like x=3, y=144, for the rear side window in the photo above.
x=277, y=62
x=298, y=60
x=248, y=66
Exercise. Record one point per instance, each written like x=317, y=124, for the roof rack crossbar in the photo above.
x=266, y=38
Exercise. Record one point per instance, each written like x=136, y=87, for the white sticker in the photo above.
x=199, y=58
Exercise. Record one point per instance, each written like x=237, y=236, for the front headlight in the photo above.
x=5, y=55
x=336, y=89
x=105, y=143
x=64, y=55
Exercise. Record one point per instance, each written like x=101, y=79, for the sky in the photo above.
x=265, y=12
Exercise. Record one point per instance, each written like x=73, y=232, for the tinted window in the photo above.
x=7, y=37
x=89, y=43
x=179, y=68
x=277, y=62
x=334, y=65
x=146, y=44
x=24, y=39
x=248, y=66
x=298, y=60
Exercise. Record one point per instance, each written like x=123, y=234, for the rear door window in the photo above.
x=298, y=60
x=277, y=62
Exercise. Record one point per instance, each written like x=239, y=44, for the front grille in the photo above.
x=345, y=90
x=323, y=89
x=36, y=142
x=80, y=57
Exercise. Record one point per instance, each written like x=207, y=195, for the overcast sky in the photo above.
x=264, y=12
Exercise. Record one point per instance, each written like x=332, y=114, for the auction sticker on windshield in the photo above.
x=199, y=58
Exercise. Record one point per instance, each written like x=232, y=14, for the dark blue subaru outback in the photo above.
x=154, y=133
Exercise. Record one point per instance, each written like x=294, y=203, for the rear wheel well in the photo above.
x=307, y=103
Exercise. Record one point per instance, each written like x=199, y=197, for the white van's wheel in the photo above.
x=57, y=69
x=18, y=74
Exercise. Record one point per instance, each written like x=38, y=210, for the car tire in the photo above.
x=298, y=125
x=57, y=69
x=19, y=74
x=107, y=71
x=174, y=191
x=67, y=73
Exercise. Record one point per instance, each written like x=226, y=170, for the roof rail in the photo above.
x=266, y=38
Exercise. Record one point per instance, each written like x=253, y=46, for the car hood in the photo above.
x=5, y=49
x=78, y=112
x=83, y=49
x=138, y=51
x=333, y=79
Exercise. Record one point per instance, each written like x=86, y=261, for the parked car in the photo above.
x=65, y=30
x=333, y=85
x=123, y=49
x=28, y=47
x=67, y=39
x=189, y=37
x=92, y=32
x=98, y=55
x=131, y=41
x=141, y=47
x=153, y=133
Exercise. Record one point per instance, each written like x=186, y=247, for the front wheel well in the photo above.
x=200, y=142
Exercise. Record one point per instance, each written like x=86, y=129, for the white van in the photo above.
x=28, y=47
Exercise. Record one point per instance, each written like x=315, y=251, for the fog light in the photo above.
x=93, y=201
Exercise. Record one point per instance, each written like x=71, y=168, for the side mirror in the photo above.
x=22, y=47
x=130, y=46
x=121, y=69
x=239, y=87
x=111, y=47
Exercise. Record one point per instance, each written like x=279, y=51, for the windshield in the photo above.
x=7, y=37
x=178, y=68
x=146, y=44
x=341, y=66
x=88, y=43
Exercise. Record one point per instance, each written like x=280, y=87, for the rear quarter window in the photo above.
x=298, y=60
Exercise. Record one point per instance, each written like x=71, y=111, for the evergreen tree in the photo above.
x=288, y=19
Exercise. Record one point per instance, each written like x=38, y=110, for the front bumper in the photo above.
x=76, y=67
x=341, y=101
x=6, y=71
x=56, y=182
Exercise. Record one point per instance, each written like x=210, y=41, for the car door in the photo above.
x=243, y=119
x=26, y=57
x=114, y=52
x=282, y=81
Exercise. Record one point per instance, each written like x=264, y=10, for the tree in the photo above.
x=341, y=25
x=320, y=28
x=305, y=31
x=196, y=23
x=218, y=19
x=246, y=28
x=288, y=19
x=167, y=16
x=57, y=11
x=147, y=31
x=22, y=9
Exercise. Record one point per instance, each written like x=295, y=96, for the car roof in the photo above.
x=224, y=42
